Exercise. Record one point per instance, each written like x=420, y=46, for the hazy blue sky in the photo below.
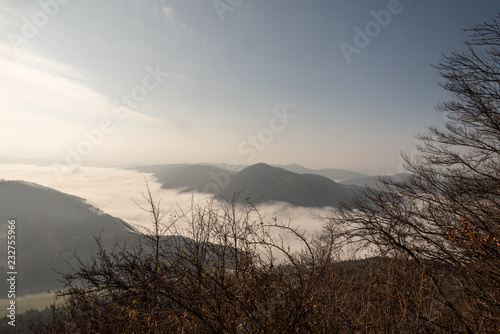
x=149, y=81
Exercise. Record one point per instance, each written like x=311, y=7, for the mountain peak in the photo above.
x=260, y=165
x=259, y=182
x=260, y=169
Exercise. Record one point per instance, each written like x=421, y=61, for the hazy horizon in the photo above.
x=62, y=167
x=325, y=84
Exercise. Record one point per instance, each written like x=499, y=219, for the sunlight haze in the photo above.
x=127, y=82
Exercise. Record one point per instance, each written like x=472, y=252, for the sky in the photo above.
x=325, y=84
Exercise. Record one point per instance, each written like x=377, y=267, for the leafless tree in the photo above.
x=223, y=272
x=447, y=211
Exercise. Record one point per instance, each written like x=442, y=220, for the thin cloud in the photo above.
x=187, y=29
x=157, y=7
x=168, y=12
x=55, y=89
x=103, y=43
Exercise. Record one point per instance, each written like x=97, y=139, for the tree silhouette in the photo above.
x=222, y=273
x=448, y=210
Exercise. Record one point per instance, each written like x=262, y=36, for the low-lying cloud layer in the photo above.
x=116, y=192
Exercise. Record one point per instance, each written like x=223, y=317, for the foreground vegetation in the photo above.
x=232, y=276
x=435, y=235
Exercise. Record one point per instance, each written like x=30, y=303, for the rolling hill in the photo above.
x=184, y=176
x=267, y=183
x=259, y=182
x=49, y=226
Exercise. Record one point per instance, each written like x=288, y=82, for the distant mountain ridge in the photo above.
x=259, y=182
x=262, y=181
x=186, y=177
x=337, y=175
x=373, y=181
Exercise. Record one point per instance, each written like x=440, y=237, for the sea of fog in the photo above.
x=116, y=192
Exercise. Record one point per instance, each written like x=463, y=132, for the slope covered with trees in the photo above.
x=50, y=225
